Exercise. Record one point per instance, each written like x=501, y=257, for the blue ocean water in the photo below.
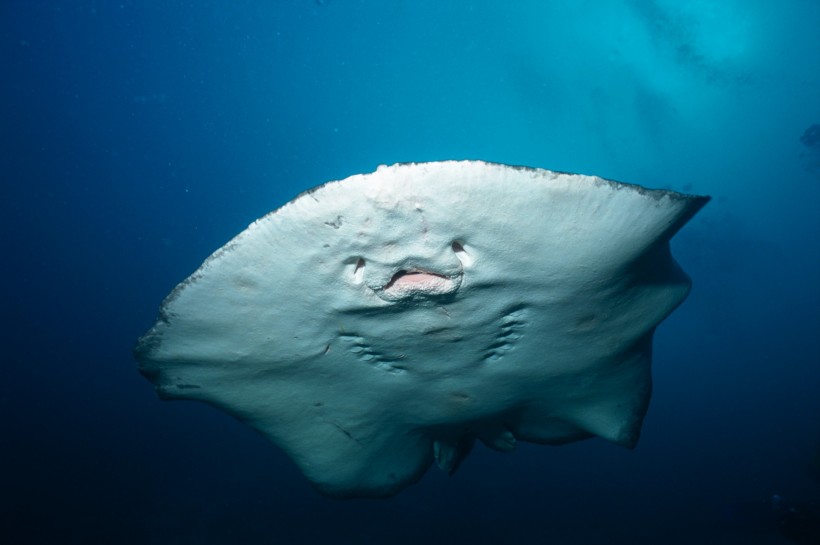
x=139, y=136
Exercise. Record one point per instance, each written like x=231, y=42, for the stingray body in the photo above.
x=374, y=325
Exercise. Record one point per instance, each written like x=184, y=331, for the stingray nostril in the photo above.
x=358, y=271
x=462, y=255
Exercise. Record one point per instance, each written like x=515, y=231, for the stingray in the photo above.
x=378, y=324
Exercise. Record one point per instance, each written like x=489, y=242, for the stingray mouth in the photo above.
x=411, y=284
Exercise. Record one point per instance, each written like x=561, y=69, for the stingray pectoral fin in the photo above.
x=344, y=449
x=344, y=463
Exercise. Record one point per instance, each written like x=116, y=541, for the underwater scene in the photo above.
x=410, y=272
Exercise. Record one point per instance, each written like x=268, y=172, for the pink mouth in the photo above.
x=414, y=280
x=407, y=284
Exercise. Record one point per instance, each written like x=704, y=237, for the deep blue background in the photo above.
x=137, y=137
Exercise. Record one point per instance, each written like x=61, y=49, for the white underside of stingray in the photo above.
x=376, y=324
